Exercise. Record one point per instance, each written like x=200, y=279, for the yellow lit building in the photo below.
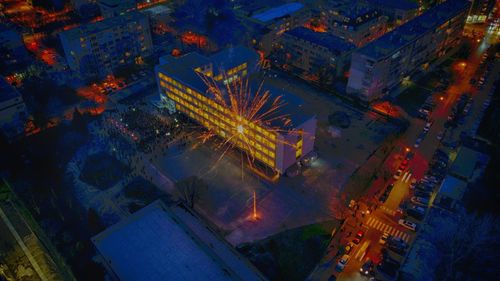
x=276, y=145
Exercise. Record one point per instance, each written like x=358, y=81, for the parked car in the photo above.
x=348, y=248
x=360, y=234
x=422, y=193
x=416, y=212
x=408, y=224
x=419, y=200
x=389, y=267
x=342, y=263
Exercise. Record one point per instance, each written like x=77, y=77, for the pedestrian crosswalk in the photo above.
x=406, y=177
x=382, y=227
x=387, y=210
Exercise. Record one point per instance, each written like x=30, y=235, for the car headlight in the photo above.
x=366, y=272
x=361, y=270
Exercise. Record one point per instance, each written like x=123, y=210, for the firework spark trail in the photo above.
x=255, y=107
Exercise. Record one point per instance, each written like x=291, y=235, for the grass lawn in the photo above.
x=292, y=254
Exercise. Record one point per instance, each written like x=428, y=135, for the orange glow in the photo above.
x=316, y=25
x=386, y=108
x=176, y=52
x=191, y=38
x=143, y=5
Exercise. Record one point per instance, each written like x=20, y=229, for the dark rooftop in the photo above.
x=333, y=43
x=406, y=33
x=395, y=4
x=7, y=91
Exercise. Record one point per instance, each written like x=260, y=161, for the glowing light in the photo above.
x=254, y=206
x=240, y=129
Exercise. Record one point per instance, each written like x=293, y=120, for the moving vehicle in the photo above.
x=367, y=267
x=397, y=175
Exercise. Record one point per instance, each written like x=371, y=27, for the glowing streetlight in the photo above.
x=240, y=129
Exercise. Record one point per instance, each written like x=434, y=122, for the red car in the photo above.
x=360, y=234
x=403, y=165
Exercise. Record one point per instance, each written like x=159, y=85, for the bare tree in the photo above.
x=189, y=189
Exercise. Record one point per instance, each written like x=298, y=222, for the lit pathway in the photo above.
x=23, y=246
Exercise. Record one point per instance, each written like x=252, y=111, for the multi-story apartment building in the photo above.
x=380, y=66
x=113, y=8
x=275, y=145
x=268, y=23
x=310, y=51
x=398, y=12
x=96, y=49
x=354, y=22
x=480, y=10
x=13, y=113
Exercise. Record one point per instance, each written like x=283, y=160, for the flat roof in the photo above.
x=92, y=28
x=182, y=69
x=278, y=12
x=331, y=42
x=395, y=4
x=406, y=33
x=465, y=163
x=452, y=187
x=159, y=243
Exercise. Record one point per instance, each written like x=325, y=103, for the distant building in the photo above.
x=159, y=243
x=354, y=22
x=13, y=112
x=450, y=193
x=96, y=49
x=13, y=53
x=181, y=86
x=159, y=17
x=380, y=66
x=480, y=10
x=311, y=52
x=85, y=8
x=113, y=8
x=268, y=23
x=398, y=11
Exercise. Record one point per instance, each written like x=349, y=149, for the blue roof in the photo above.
x=278, y=12
x=396, y=4
x=406, y=33
x=159, y=243
x=331, y=42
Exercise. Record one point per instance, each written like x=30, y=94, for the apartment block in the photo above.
x=380, y=66
x=355, y=22
x=311, y=52
x=96, y=49
x=273, y=144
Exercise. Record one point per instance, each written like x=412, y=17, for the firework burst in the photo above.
x=249, y=110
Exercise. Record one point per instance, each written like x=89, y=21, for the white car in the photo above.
x=408, y=224
x=397, y=175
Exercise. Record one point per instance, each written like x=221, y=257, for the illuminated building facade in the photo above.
x=380, y=66
x=276, y=146
x=480, y=11
x=96, y=49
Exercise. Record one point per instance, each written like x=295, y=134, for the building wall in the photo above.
x=310, y=57
x=373, y=78
x=98, y=51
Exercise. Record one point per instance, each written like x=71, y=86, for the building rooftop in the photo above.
x=333, y=43
x=278, y=12
x=183, y=69
x=157, y=10
x=395, y=4
x=453, y=188
x=109, y=23
x=466, y=163
x=160, y=243
x=406, y=33
x=7, y=91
